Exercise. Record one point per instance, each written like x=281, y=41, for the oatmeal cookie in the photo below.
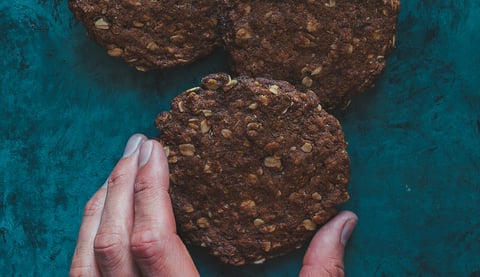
x=151, y=34
x=337, y=48
x=255, y=166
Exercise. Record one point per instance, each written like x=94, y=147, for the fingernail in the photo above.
x=132, y=145
x=145, y=153
x=347, y=230
x=105, y=185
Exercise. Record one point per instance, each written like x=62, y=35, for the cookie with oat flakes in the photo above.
x=336, y=48
x=255, y=166
x=151, y=34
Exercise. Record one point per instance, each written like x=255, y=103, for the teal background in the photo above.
x=67, y=109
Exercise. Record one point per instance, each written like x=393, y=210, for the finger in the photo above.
x=324, y=256
x=83, y=262
x=155, y=245
x=112, y=242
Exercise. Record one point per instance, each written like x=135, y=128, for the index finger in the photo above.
x=156, y=247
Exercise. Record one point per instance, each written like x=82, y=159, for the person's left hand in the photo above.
x=128, y=227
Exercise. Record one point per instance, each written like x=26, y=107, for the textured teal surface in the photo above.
x=67, y=109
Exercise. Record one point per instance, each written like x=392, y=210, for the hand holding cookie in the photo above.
x=128, y=226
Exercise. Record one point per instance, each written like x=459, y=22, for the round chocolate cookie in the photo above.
x=336, y=48
x=255, y=166
x=151, y=34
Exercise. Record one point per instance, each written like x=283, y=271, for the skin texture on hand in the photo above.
x=128, y=227
x=324, y=256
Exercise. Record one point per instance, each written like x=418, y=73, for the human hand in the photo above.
x=128, y=227
x=324, y=256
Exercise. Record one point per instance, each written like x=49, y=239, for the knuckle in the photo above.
x=109, y=248
x=118, y=177
x=143, y=185
x=333, y=272
x=144, y=246
x=147, y=247
x=83, y=263
x=331, y=268
x=334, y=268
x=78, y=270
x=93, y=206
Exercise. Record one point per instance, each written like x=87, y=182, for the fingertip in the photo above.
x=339, y=228
x=164, y=151
x=350, y=222
x=145, y=153
x=133, y=144
x=342, y=216
x=138, y=136
x=150, y=146
x=151, y=197
x=330, y=240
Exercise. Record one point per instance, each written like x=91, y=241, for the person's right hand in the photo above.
x=324, y=256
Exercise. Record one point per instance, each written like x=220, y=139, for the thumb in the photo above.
x=324, y=256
